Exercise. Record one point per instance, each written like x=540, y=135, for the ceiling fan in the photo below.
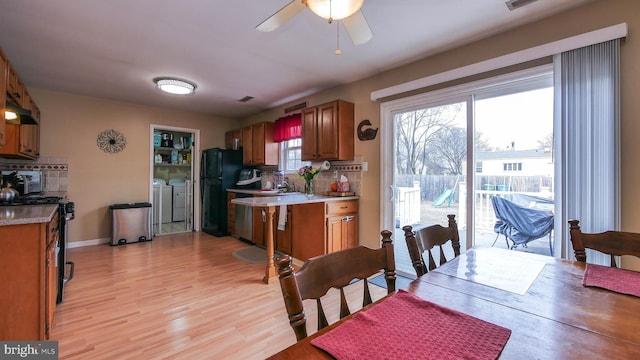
x=346, y=10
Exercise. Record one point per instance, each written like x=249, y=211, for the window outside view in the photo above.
x=513, y=160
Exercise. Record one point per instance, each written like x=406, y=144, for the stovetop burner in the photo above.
x=32, y=200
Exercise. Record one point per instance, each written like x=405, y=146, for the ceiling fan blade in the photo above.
x=358, y=28
x=281, y=16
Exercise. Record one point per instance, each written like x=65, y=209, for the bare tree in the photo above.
x=450, y=150
x=416, y=130
x=546, y=142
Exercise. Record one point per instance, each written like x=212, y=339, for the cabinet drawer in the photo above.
x=342, y=207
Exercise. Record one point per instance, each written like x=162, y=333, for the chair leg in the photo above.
x=550, y=245
x=496, y=239
x=507, y=241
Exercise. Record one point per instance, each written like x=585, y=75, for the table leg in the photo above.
x=270, y=271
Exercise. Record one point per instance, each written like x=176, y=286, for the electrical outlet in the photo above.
x=365, y=166
x=335, y=174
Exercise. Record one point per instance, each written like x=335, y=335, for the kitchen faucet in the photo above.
x=287, y=187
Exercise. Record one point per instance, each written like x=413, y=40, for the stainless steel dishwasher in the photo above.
x=244, y=220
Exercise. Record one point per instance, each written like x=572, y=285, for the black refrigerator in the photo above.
x=219, y=170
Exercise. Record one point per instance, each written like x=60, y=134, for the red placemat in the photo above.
x=614, y=279
x=404, y=326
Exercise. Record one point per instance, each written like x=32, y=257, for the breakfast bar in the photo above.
x=270, y=203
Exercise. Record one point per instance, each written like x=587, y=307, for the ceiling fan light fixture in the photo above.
x=334, y=9
x=175, y=86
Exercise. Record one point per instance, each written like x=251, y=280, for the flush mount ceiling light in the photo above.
x=175, y=86
x=336, y=9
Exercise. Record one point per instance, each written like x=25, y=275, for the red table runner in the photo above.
x=404, y=326
x=614, y=279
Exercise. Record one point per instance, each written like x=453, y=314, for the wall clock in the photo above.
x=111, y=141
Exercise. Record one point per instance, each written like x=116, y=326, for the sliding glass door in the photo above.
x=453, y=150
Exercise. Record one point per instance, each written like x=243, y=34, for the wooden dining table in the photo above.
x=541, y=299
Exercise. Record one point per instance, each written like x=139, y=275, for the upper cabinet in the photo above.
x=258, y=147
x=328, y=131
x=19, y=138
x=229, y=137
x=15, y=88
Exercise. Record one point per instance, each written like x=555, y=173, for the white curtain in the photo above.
x=588, y=88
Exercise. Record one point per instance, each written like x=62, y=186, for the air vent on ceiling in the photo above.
x=515, y=4
x=246, y=98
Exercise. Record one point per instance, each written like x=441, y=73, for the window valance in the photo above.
x=287, y=128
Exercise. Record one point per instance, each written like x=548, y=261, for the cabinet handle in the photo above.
x=347, y=218
x=343, y=207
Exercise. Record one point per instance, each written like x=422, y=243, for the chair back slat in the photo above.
x=322, y=318
x=335, y=270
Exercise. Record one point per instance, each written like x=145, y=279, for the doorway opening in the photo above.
x=172, y=184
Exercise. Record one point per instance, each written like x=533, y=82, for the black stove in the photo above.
x=32, y=200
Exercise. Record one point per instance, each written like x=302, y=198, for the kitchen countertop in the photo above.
x=264, y=201
x=263, y=192
x=27, y=214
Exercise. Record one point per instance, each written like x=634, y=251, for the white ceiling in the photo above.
x=114, y=48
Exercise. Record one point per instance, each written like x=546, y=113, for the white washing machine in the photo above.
x=179, y=199
x=162, y=205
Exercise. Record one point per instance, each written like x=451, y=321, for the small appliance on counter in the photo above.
x=25, y=182
x=249, y=177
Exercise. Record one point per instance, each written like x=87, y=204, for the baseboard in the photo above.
x=75, y=244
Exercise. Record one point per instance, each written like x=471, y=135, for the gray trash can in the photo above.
x=131, y=223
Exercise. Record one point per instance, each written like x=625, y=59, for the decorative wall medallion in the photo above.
x=367, y=134
x=111, y=141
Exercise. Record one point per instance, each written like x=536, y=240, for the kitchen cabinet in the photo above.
x=282, y=238
x=308, y=230
x=15, y=87
x=30, y=285
x=21, y=141
x=328, y=131
x=3, y=95
x=342, y=225
x=258, y=235
x=258, y=147
x=230, y=135
x=17, y=140
x=322, y=228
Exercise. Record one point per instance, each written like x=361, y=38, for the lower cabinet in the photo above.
x=342, y=225
x=282, y=238
x=30, y=288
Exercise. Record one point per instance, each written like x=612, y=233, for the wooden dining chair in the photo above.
x=425, y=239
x=614, y=243
x=335, y=270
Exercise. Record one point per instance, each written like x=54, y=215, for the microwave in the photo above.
x=29, y=181
x=248, y=177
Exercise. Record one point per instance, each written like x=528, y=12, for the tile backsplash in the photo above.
x=55, y=171
x=322, y=182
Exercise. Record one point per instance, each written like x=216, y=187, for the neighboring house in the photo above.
x=537, y=162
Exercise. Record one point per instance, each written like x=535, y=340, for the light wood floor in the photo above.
x=182, y=296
